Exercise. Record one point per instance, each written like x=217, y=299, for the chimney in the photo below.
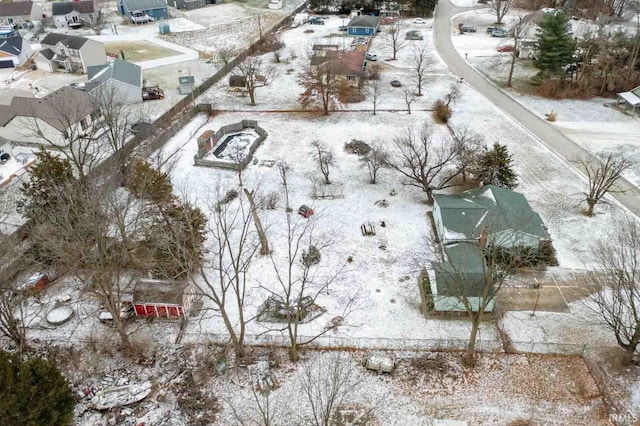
x=481, y=184
x=483, y=238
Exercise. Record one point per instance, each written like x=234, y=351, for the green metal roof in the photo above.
x=464, y=272
x=494, y=208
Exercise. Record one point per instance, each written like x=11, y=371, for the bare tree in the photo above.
x=603, y=176
x=394, y=37
x=264, y=409
x=257, y=74
x=409, y=97
x=374, y=160
x=328, y=383
x=615, y=302
x=375, y=90
x=501, y=8
x=97, y=22
x=422, y=163
x=468, y=145
x=419, y=63
x=13, y=318
x=321, y=86
x=517, y=33
x=223, y=278
x=325, y=158
x=225, y=56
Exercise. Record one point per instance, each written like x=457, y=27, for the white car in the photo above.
x=371, y=57
x=419, y=21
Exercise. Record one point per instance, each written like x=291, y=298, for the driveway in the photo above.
x=551, y=137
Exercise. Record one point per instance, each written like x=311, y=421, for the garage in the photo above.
x=6, y=63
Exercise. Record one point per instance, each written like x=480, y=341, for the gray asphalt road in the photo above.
x=546, y=133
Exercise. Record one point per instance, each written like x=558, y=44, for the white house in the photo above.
x=120, y=80
x=20, y=13
x=53, y=118
x=70, y=53
x=14, y=51
x=70, y=14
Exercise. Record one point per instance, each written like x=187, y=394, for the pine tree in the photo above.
x=555, y=44
x=149, y=183
x=495, y=167
x=49, y=177
x=33, y=393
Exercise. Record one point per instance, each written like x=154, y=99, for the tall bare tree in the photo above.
x=257, y=74
x=422, y=163
x=394, y=39
x=603, y=176
x=97, y=22
x=325, y=159
x=501, y=8
x=374, y=161
x=409, y=97
x=13, y=318
x=375, y=90
x=468, y=145
x=419, y=63
x=615, y=302
x=321, y=86
x=517, y=33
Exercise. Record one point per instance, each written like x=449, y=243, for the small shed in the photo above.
x=186, y=84
x=630, y=98
x=206, y=141
x=162, y=298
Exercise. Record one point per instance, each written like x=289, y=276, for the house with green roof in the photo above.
x=461, y=278
x=503, y=215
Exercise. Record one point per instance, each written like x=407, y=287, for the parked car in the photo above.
x=492, y=28
x=419, y=21
x=142, y=126
x=468, y=29
x=499, y=32
x=79, y=86
x=342, y=28
x=505, y=48
x=371, y=57
x=152, y=93
x=316, y=21
x=413, y=35
x=395, y=83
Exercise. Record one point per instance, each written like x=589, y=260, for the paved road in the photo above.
x=546, y=133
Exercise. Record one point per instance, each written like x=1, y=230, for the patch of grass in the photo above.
x=137, y=51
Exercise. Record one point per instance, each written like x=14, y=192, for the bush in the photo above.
x=441, y=112
x=148, y=183
x=357, y=147
x=33, y=393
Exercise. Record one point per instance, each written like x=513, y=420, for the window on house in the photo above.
x=10, y=20
x=84, y=124
x=95, y=115
x=65, y=134
x=351, y=77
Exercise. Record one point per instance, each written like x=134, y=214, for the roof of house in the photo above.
x=65, y=7
x=632, y=97
x=47, y=53
x=341, y=62
x=463, y=274
x=364, y=21
x=73, y=42
x=60, y=108
x=159, y=291
x=325, y=47
x=491, y=207
x=22, y=8
x=119, y=70
x=11, y=46
x=132, y=5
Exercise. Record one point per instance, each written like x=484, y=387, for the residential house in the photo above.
x=20, y=13
x=71, y=53
x=189, y=4
x=143, y=11
x=53, y=118
x=503, y=214
x=119, y=80
x=14, y=51
x=159, y=298
x=630, y=98
x=349, y=65
x=322, y=49
x=461, y=277
x=363, y=25
x=71, y=14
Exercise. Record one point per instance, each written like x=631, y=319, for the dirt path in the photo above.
x=551, y=137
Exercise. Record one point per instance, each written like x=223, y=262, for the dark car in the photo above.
x=152, y=93
x=316, y=21
x=490, y=29
x=395, y=83
x=342, y=28
x=468, y=29
x=499, y=32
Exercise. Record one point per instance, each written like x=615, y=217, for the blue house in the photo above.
x=363, y=25
x=143, y=11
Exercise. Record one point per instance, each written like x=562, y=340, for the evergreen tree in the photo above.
x=425, y=7
x=49, y=177
x=555, y=44
x=495, y=167
x=149, y=183
x=33, y=393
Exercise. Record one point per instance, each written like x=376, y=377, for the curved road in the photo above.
x=542, y=130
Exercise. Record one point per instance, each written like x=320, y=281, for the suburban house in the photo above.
x=54, y=117
x=363, y=25
x=503, y=214
x=159, y=298
x=630, y=98
x=349, y=65
x=143, y=11
x=70, y=53
x=14, y=50
x=120, y=80
x=189, y=4
x=461, y=277
x=19, y=13
x=322, y=49
x=71, y=14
